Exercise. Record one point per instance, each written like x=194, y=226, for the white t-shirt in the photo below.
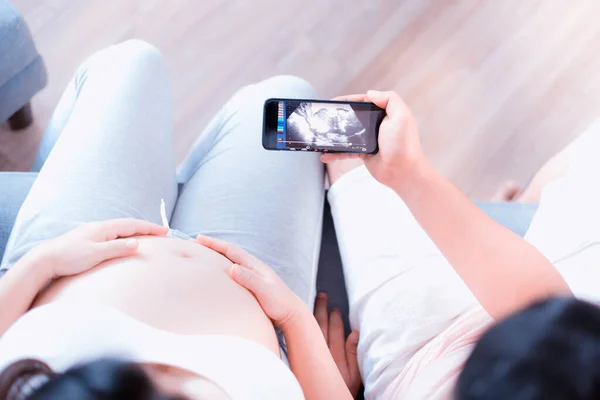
x=62, y=335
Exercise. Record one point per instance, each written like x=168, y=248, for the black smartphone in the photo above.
x=321, y=125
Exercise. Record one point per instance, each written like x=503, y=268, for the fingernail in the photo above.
x=373, y=93
x=322, y=295
x=131, y=244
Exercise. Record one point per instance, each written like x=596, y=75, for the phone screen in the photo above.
x=327, y=126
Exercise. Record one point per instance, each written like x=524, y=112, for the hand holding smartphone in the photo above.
x=321, y=125
x=400, y=152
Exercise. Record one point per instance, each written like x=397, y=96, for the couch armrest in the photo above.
x=17, y=49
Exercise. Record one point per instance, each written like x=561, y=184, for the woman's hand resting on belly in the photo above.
x=325, y=365
x=90, y=244
x=70, y=254
x=275, y=298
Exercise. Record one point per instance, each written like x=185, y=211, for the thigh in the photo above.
x=401, y=290
x=114, y=155
x=268, y=202
x=566, y=227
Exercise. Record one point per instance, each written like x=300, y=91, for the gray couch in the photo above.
x=22, y=71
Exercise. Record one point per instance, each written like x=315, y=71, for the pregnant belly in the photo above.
x=173, y=285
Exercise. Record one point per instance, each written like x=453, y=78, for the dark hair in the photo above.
x=96, y=380
x=550, y=350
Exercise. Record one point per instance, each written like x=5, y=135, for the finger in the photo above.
x=247, y=277
x=390, y=101
x=232, y=252
x=115, y=249
x=352, y=97
x=321, y=313
x=352, y=359
x=337, y=338
x=328, y=157
x=125, y=227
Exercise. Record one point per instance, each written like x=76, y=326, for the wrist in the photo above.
x=410, y=175
x=39, y=264
x=296, y=317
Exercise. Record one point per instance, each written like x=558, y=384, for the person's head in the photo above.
x=102, y=379
x=550, y=350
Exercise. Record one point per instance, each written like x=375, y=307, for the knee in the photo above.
x=287, y=82
x=283, y=86
x=280, y=86
x=133, y=55
x=137, y=51
x=287, y=86
x=140, y=48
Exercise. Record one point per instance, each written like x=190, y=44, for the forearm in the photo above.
x=19, y=287
x=503, y=271
x=310, y=359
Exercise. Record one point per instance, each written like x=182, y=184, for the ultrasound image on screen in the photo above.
x=325, y=125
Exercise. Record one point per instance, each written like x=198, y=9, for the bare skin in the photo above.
x=179, y=382
x=174, y=285
x=342, y=349
x=555, y=168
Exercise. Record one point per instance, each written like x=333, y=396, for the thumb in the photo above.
x=117, y=248
x=351, y=354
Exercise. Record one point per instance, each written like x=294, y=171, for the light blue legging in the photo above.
x=114, y=158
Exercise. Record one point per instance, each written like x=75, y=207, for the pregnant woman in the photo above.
x=86, y=277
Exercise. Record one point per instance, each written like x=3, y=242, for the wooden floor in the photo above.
x=497, y=86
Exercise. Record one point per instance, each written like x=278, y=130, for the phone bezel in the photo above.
x=265, y=136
